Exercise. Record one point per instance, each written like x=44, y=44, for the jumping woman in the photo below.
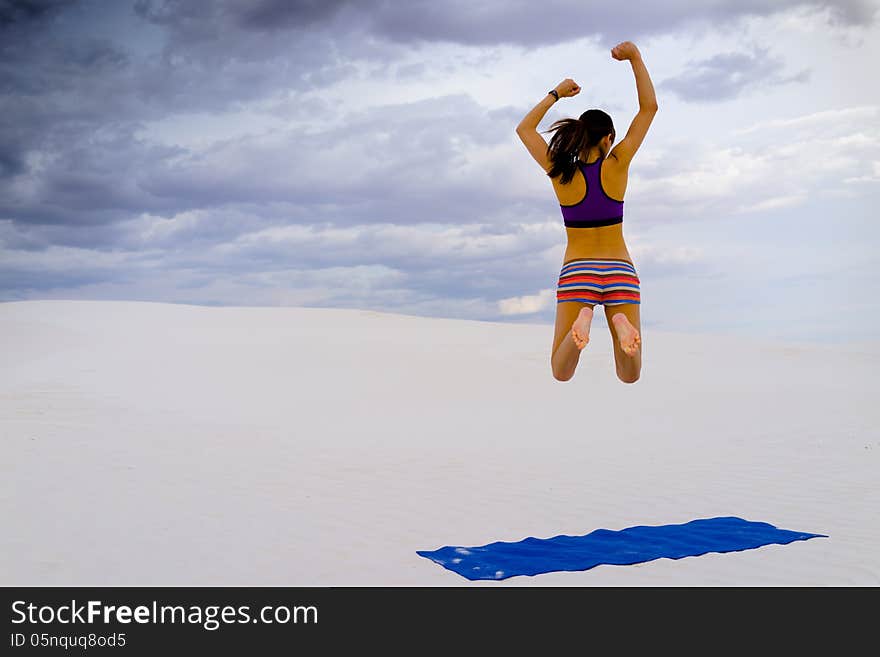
x=589, y=178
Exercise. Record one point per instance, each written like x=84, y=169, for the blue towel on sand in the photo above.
x=533, y=556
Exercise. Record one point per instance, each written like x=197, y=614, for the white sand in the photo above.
x=162, y=444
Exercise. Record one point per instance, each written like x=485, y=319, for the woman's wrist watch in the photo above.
x=555, y=93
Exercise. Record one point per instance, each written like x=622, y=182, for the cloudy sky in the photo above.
x=363, y=154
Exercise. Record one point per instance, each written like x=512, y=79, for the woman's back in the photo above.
x=612, y=175
x=592, y=209
x=596, y=207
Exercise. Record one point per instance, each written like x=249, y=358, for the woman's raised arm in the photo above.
x=626, y=149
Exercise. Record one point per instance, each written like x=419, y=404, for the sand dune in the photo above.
x=164, y=444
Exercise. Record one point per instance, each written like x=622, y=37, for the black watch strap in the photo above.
x=555, y=93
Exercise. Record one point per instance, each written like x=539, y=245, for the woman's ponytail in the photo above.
x=572, y=137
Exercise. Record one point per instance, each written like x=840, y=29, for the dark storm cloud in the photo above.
x=516, y=22
x=60, y=83
x=283, y=14
x=22, y=11
x=388, y=164
x=513, y=22
x=87, y=179
x=728, y=75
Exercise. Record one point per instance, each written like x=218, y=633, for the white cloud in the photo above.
x=424, y=242
x=768, y=165
x=776, y=202
x=527, y=304
x=656, y=254
x=726, y=75
x=873, y=176
x=817, y=121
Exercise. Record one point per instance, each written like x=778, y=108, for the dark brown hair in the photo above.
x=572, y=137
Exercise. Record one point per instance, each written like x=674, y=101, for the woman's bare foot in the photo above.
x=580, y=329
x=627, y=334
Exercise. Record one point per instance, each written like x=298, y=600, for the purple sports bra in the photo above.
x=596, y=208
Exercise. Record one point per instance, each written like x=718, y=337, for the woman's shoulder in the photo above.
x=613, y=161
x=614, y=177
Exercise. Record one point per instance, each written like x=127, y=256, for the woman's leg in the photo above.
x=566, y=352
x=626, y=336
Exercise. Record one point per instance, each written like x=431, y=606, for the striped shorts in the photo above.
x=606, y=281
